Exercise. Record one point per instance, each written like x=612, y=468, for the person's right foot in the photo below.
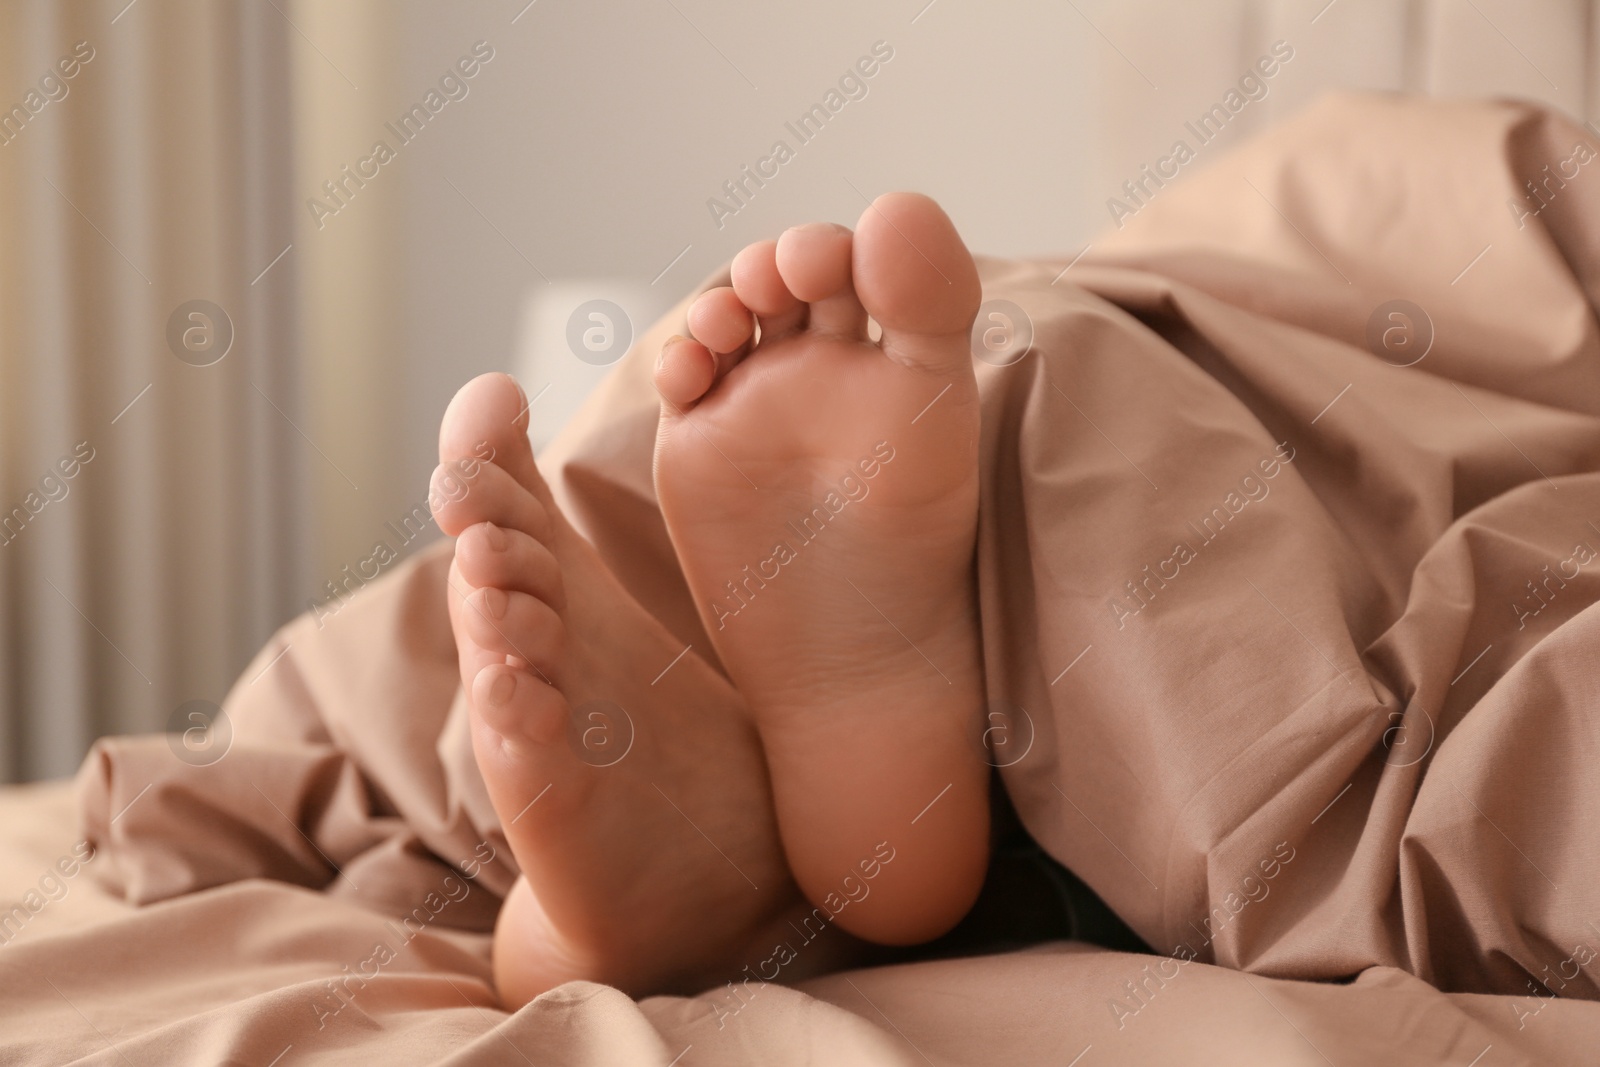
x=628, y=778
x=821, y=491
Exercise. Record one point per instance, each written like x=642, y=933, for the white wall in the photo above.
x=598, y=132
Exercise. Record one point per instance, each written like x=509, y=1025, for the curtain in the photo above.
x=153, y=418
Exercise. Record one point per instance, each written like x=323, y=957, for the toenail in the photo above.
x=817, y=227
x=494, y=603
x=495, y=536
x=501, y=689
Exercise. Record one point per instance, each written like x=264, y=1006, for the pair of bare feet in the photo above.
x=821, y=492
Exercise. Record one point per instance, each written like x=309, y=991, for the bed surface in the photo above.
x=237, y=974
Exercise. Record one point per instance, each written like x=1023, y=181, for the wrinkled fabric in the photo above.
x=1289, y=622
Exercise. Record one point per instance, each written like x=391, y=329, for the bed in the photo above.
x=1289, y=556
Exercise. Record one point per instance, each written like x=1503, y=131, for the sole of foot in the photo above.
x=821, y=490
x=627, y=773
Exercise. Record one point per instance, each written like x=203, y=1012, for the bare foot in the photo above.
x=821, y=491
x=628, y=779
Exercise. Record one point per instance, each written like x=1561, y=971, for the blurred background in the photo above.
x=230, y=320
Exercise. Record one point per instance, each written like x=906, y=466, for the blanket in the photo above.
x=1288, y=562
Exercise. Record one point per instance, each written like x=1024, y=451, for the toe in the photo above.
x=761, y=289
x=515, y=707
x=515, y=624
x=470, y=656
x=814, y=261
x=462, y=495
x=487, y=555
x=684, y=371
x=488, y=420
x=916, y=279
x=718, y=320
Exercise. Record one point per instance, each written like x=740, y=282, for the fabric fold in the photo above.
x=1288, y=565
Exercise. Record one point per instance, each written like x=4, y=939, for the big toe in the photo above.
x=487, y=420
x=914, y=275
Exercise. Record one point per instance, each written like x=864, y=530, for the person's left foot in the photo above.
x=627, y=776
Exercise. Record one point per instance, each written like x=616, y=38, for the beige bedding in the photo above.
x=1304, y=641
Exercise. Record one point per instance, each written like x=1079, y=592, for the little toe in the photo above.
x=761, y=289
x=814, y=261
x=917, y=280
x=718, y=320
x=684, y=371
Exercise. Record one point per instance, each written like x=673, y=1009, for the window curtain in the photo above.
x=155, y=518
